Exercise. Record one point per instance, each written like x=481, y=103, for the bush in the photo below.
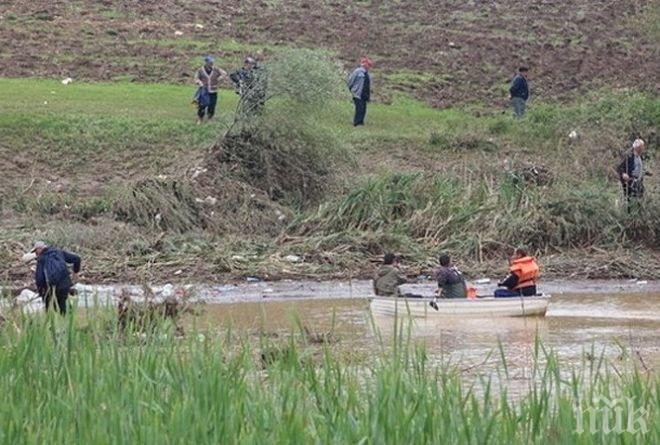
x=281, y=150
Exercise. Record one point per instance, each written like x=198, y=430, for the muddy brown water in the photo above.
x=623, y=327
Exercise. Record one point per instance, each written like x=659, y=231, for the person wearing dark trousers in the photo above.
x=251, y=83
x=208, y=79
x=359, y=83
x=52, y=275
x=519, y=92
x=522, y=278
x=631, y=173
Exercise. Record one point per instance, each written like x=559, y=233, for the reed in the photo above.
x=65, y=381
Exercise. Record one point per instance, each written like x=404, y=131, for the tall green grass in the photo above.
x=482, y=216
x=63, y=382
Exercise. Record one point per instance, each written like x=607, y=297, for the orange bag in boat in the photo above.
x=471, y=292
x=526, y=270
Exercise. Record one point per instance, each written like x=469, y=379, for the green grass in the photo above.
x=77, y=158
x=67, y=381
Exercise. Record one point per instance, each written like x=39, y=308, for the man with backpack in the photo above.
x=52, y=276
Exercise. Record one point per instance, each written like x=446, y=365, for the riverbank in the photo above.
x=130, y=187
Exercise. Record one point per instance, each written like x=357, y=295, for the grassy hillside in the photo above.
x=107, y=170
x=443, y=52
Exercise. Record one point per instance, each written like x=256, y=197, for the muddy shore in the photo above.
x=332, y=290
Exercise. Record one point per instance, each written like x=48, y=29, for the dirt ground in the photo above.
x=444, y=52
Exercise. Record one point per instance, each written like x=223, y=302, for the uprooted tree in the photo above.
x=275, y=142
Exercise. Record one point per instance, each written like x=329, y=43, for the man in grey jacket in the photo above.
x=359, y=83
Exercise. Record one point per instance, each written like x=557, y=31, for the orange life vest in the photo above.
x=526, y=270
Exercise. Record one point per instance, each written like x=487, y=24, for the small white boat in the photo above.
x=486, y=307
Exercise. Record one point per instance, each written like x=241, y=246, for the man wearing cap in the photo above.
x=250, y=84
x=359, y=83
x=208, y=79
x=52, y=276
x=519, y=91
x=631, y=171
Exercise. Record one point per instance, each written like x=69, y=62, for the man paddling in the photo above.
x=522, y=278
x=52, y=275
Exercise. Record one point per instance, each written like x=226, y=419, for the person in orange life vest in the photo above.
x=523, y=275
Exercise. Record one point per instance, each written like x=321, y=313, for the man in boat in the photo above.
x=389, y=277
x=451, y=283
x=522, y=278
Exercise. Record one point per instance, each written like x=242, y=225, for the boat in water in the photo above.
x=486, y=307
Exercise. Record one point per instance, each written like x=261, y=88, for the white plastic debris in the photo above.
x=210, y=200
x=293, y=258
x=199, y=26
x=29, y=257
x=158, y=217
x=178, y=272
x=642, y=283
x=178, y=33
x=482, y=281
x=168, y=290
x=238, y=258
x=26, y=296
x=252, y=279
x=573, y=135
x=67, y=81
x=197, y=172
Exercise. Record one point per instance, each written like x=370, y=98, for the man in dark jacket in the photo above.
x=451, y=283
x=250, y=83
x=631, y=172
x=359, y=83
x=52, y=276
x=519, y=91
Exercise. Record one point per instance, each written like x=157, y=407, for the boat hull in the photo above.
x=481, y=307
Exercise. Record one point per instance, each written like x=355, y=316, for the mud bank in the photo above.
x=92, y=295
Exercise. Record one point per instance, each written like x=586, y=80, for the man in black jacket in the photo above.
x=631, y=171
x=250, y=82
x=519, y=91
x=52, y=276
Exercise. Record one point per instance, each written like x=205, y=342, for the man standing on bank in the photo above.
x=208, y=79
x=631, y=172
x=52, y=276
x=359, y=83
x=519, y=92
